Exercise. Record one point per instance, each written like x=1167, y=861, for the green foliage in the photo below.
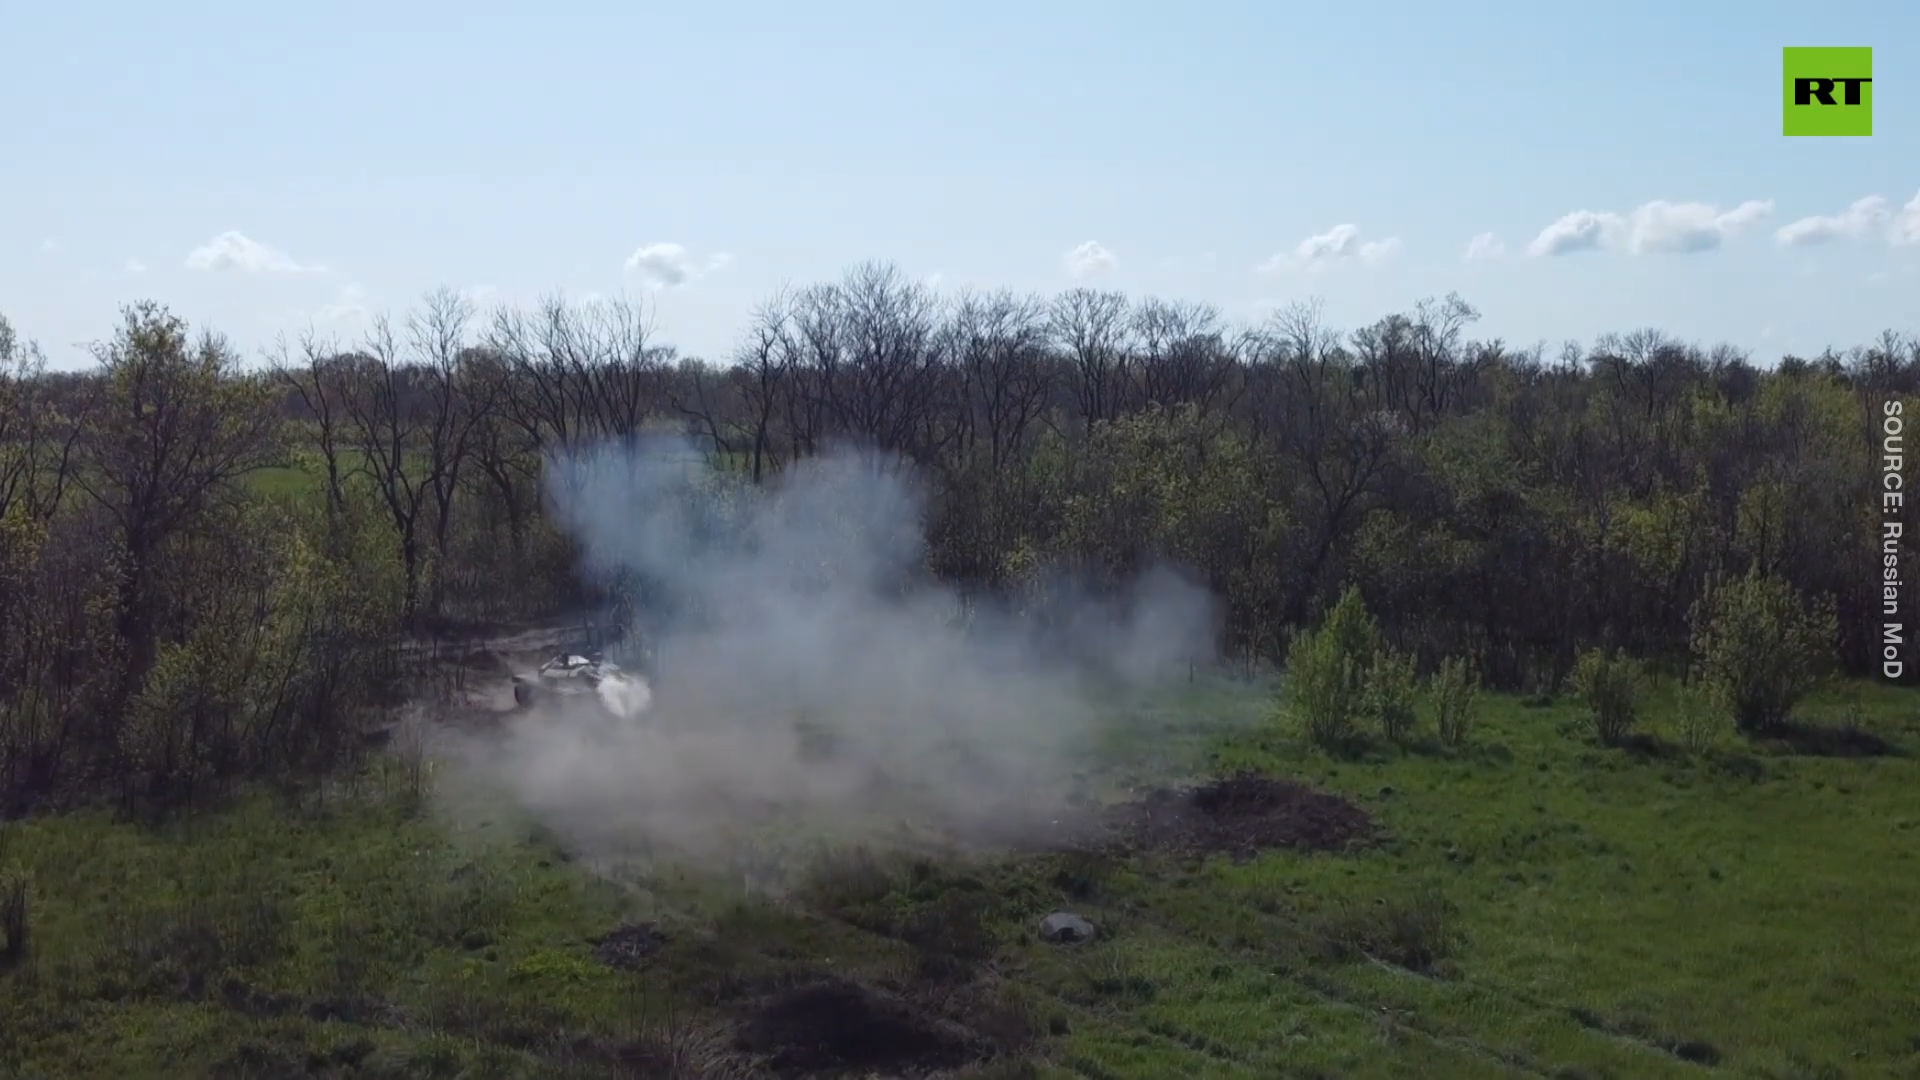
x=1319, y=690
x=1162, y=483
x=1389, y=695
x=1695, y=718
x=1760, y=647
x=1326, y=673
x=1613, y=686
x=1355, y=632
x=1455, y=688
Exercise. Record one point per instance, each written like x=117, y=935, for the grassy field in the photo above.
x=1539, y=907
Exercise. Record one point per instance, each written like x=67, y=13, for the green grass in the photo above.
x=1590, y=913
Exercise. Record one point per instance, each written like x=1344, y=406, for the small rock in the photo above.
x=1066, y=928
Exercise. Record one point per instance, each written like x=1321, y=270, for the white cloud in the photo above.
x=1681, y=228
x=1865, y=217
x=1339, y=244
x=135, y=266
x=1089, y=259
x=666, y=264
x=1657, y=227
x=1873, y=216
x=1906, y=227
x=483, y=297
x=1582, y=230
x=49, y=245
x=233, y=250
x=1484, y=247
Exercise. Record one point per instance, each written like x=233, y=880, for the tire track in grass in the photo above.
x=1369, y=1020
x=1331, y=993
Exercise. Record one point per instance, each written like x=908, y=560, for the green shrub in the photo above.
x=1354, y=632
x=1612, y=685
x=1455, y=687
x=1759, y=647
x=1326, y=673
x=1388, y=695
x=1320, y=690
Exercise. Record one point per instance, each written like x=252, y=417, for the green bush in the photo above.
x=1612, y=685
x=1320, y=690
x=1354, y=631
x=1454, y=688
x=1759, y=647
x=1326, y=673
x=1388, y=695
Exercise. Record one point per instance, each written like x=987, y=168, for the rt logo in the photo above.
x=1827, y=91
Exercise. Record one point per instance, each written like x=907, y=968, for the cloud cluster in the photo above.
x=1873, y=216
x=234, y=250
x=666, y=265
x=1089, y=259
x=810, y=675
x=1657, y=227
x=1342, y=243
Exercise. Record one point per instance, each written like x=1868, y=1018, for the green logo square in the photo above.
x=1827, y=91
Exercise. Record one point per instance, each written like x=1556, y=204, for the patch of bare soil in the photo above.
x=629, y=946
x=1238, y=815
x=835, y=1027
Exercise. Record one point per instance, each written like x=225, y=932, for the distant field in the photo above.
x=1583, y=913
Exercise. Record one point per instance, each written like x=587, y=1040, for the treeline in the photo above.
x=170, y=595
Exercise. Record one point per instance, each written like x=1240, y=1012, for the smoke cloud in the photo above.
x=809, y=675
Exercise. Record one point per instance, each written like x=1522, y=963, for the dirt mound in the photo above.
x=835, y=1027
x=629, y=946
x=1240, y=815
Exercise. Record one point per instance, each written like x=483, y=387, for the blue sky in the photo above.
x=262, y=168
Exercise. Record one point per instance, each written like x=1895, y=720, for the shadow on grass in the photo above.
x=1804, y=739
x=1646, y=746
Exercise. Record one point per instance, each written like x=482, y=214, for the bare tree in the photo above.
x=387, y=426
x=1183, y=354
x=1092, y=329
x=37, y=436
x=456, y=402
x=878, y=353
x=620, y=368
x=741, y=407
x=1327, y=429
x=1000, y=342
x=318, y=382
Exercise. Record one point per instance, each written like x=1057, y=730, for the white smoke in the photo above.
x=810, y=674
